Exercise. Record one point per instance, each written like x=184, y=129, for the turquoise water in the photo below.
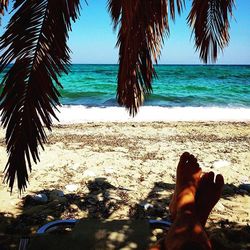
x=176, y=86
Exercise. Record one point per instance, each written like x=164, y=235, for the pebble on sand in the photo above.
x=221, y=164
x=89, y=173
x=219, y=207
x=71, y=187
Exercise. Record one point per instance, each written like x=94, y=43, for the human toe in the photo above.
x=210, y=177
x=219, y=181
x=184, y=157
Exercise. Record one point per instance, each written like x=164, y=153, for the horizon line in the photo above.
x=163, y=64
x=169, y=64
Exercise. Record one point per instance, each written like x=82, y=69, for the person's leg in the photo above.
x=186, y=231
x=187, y=179
x=192, y=202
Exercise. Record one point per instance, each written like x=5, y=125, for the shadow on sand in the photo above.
x=101, y=202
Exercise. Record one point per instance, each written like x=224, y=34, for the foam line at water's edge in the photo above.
x=82, y=114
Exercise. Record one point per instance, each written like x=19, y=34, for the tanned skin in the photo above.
x=194, y=197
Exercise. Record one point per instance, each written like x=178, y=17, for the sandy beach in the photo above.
x=121, y=170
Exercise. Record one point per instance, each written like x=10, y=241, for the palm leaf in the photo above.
x=3, y=5
x=176, y=3
x=209, y=20
x=35, y=40
x=143, y=24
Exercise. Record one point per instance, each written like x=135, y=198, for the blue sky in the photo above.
x=93, y=40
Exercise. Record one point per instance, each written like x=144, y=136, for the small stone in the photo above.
x=71, y=187
x=109, y=170
x=245, y=186
x=146, y=206
x=74, y=167
x=40, y=198
x=88, y=173
x=219, y=207
x=50, y=218
x=115, y=197
x=100, y=197
x=221, y=164
x=73, y=207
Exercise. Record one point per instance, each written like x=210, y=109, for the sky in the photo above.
x=93, y=39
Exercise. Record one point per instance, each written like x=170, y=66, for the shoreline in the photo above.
x=74, y=114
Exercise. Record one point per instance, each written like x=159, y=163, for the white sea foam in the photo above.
x=82, y=114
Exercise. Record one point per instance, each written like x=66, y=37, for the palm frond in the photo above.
x=210, y=24
x=3, y=6
x=180, y=4
x=35, y=40
x=143, y=24
x=115, y=8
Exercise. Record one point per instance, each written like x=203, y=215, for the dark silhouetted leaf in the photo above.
x=142, y=28
x=35, y=40
x=209, y=20
x=3, y=6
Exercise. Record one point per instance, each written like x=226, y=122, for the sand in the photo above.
x=127, y=170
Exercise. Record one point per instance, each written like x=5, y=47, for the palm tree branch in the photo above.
x=3, y=6
x=180, y=5
x=136, y=49
x=209, y=20
x=35, y=40
x=142, y=27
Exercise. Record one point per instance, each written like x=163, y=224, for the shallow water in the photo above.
x=175, y=86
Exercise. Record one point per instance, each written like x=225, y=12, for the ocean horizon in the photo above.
x=180, y=92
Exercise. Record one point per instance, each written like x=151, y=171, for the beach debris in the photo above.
x=88, y=173
x=40, y=198
x=221, y=164
x=146, y=205
x=71, y=187
x=245, y=186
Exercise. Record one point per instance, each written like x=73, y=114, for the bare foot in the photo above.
x=186, y=230
x=208, y=194
x=188, y=176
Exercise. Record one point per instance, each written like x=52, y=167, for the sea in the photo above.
x=180, y=92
